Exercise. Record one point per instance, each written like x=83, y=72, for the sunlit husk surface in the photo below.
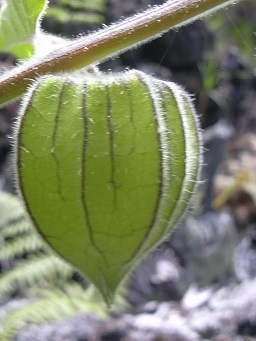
x=107, y=166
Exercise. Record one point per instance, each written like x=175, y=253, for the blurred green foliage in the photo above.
x=236, y=26
x=77, y=11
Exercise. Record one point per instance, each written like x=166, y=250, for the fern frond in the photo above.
x=16, y=228
x=77, y=12
x=86, y=5
x=47, y=310
x=21, y=246
x=10, y=209
x=62, y=15
x=46, y=270
x=70, y=288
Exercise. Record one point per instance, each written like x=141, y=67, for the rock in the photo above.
x=171, y=50
x=81, y=327
x=205, y=247
x=200, y=251
x=245, y=256
x=215, y=139
x=195, y=298
x=167, y=321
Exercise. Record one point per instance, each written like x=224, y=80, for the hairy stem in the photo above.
x=105, y=43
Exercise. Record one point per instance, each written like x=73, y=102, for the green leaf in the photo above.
x=19, y=20
x=107, y=168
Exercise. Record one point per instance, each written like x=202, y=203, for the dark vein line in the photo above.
x=83, y=177
x=161, y=185
x=32, y=217
x=111, y=131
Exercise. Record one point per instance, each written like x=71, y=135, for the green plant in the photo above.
x=238, y=26
x=30, y=270
x=98, y=155
x=76, y=12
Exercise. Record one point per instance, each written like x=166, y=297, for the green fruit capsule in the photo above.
x=106, y=166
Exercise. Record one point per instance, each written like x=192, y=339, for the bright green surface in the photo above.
x=18, y=21
x=103, y=169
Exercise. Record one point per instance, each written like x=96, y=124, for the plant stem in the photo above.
x=105, y=43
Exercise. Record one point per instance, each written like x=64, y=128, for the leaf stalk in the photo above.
x=105, y=43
